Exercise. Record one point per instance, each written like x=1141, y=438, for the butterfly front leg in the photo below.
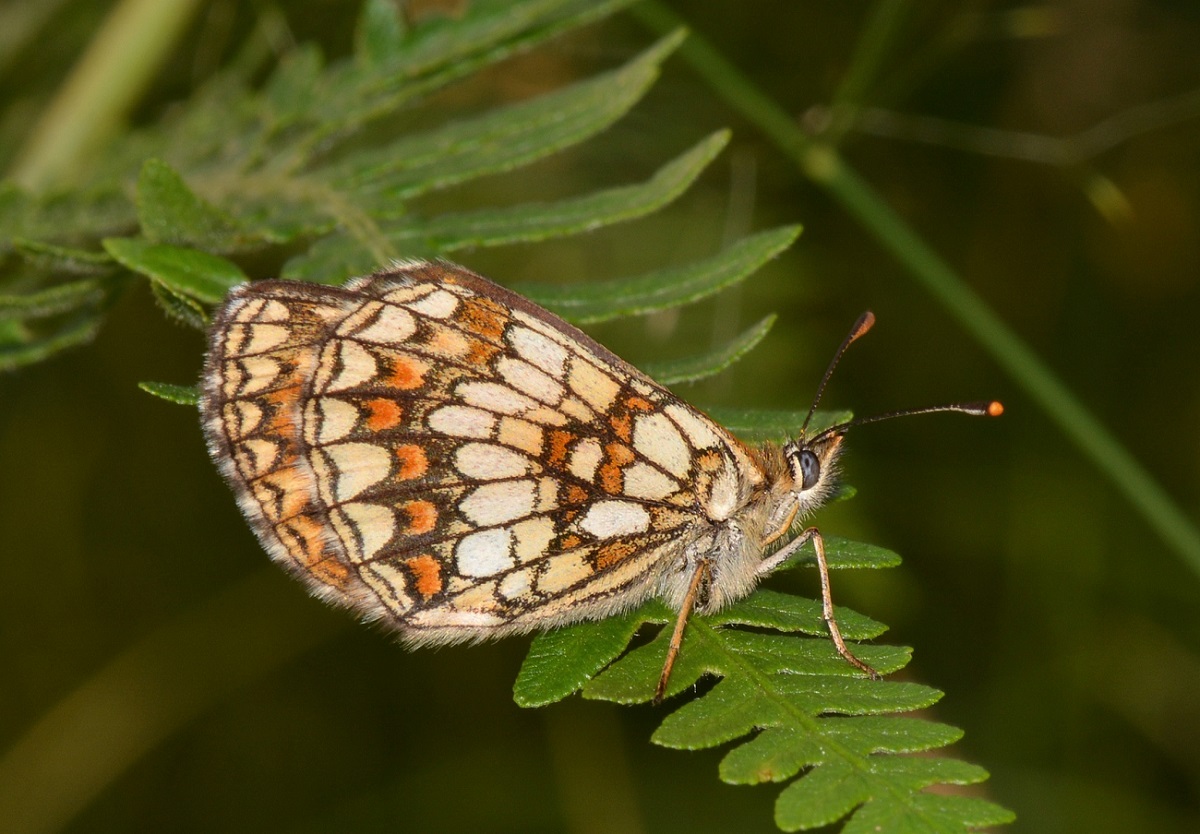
x=775, y=560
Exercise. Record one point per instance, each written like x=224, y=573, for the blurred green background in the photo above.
x=1064, y=630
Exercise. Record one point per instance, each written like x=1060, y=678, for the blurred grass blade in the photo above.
x=696, y=368
x=882, y=29
x=103, y=85
x=663, y=289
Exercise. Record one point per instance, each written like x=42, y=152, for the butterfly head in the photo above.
x=812, y=463
x=812, y=460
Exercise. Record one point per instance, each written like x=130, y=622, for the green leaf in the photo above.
x=493, y=30
x=538, y=221
x=440, y=52
x=58, y=221
x=733, y=653
x=927, y=813
x=180, y=307
x=845, y=554
x=337, y=258
x=778, y=426
x=784, y=612
x=52, y=300
x=822, y=797
x=20, y=346
x=662, y=289
x=500, y=140
x=187, y=272
x=380, y=33
x=178, y=394
x=696, y=368
x=559, y=662
x=830, y=792
x=170, y=212
x=291, y=91
x=238, y=168
x=63, y=259
x=780, y=753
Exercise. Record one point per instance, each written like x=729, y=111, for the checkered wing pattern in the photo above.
x=435, y=451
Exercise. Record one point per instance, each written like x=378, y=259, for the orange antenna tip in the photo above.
x=865, y=322
x=995, y=408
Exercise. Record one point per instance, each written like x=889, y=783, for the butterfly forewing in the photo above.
x=436, y=451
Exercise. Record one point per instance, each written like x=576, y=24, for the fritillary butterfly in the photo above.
x=438, y=453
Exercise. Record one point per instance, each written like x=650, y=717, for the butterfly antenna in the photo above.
x=985, y=408
x=864, y=323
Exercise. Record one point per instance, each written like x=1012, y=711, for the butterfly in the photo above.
x=442, y=455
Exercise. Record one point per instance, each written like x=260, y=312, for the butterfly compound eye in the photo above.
x=810, y=470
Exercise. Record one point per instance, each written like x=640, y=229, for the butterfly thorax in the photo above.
x=791, y=480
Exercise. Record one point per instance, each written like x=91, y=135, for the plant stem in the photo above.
x=105, y=83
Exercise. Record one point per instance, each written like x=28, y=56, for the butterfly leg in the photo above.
x=700, y=579
x=814, y=535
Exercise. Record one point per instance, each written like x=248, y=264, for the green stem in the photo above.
x=825, y=167
x=1088, y=434
x=105, y=83
x=874, y=45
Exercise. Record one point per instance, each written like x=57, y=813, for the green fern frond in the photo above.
x=663, y=289
x=240, y=169
x=801, y=705
x=360, y=214
x=710, y=363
